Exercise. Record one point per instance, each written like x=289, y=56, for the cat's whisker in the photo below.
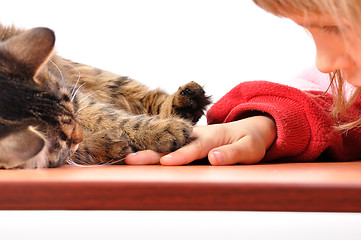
x=114, y=162
x=60, y=72
x=77, y=81
x=71, y=162
x=75, y=91
x=81, y=109
x=90, y=94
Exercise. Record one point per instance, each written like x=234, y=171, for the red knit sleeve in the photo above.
x=304, y=126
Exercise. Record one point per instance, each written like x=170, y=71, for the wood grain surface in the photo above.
x=320, y=187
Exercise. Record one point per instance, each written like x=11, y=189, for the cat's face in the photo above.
x=37, y=124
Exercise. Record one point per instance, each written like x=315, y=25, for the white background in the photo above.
x=150, y=225
x=167, y=43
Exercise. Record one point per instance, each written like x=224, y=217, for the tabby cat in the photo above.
x=53, y=110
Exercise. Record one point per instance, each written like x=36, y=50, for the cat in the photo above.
x=54, y=111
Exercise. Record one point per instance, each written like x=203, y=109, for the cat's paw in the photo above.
x=103, y=147
x=116, y=150
x=190, y=102
x=172, y=134
x=160, y=134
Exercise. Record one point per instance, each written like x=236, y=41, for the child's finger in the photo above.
x=185, y=155
x=244, y=151
x=143, y=157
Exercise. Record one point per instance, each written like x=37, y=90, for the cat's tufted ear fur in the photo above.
x=28, y=51
x=19, y=146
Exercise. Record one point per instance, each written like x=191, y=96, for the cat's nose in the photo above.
x=77, y=134
x=72, y=133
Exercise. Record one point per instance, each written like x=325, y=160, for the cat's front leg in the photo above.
x=102, y=147
x=158, y=134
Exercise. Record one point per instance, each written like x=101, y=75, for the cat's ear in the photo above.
x=29, y=50
x=19, y=146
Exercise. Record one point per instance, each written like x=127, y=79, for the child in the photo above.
x=263, y=121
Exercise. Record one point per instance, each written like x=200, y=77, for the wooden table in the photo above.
x=323, y=187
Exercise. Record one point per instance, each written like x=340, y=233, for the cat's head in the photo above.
x=37, y=124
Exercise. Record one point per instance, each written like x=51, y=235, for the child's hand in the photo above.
x=244, y=141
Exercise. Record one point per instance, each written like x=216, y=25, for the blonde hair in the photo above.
x=341, y=10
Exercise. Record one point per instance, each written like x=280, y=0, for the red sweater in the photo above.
x=305, y=129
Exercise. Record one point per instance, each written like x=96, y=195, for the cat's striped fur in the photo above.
x=55, y=109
